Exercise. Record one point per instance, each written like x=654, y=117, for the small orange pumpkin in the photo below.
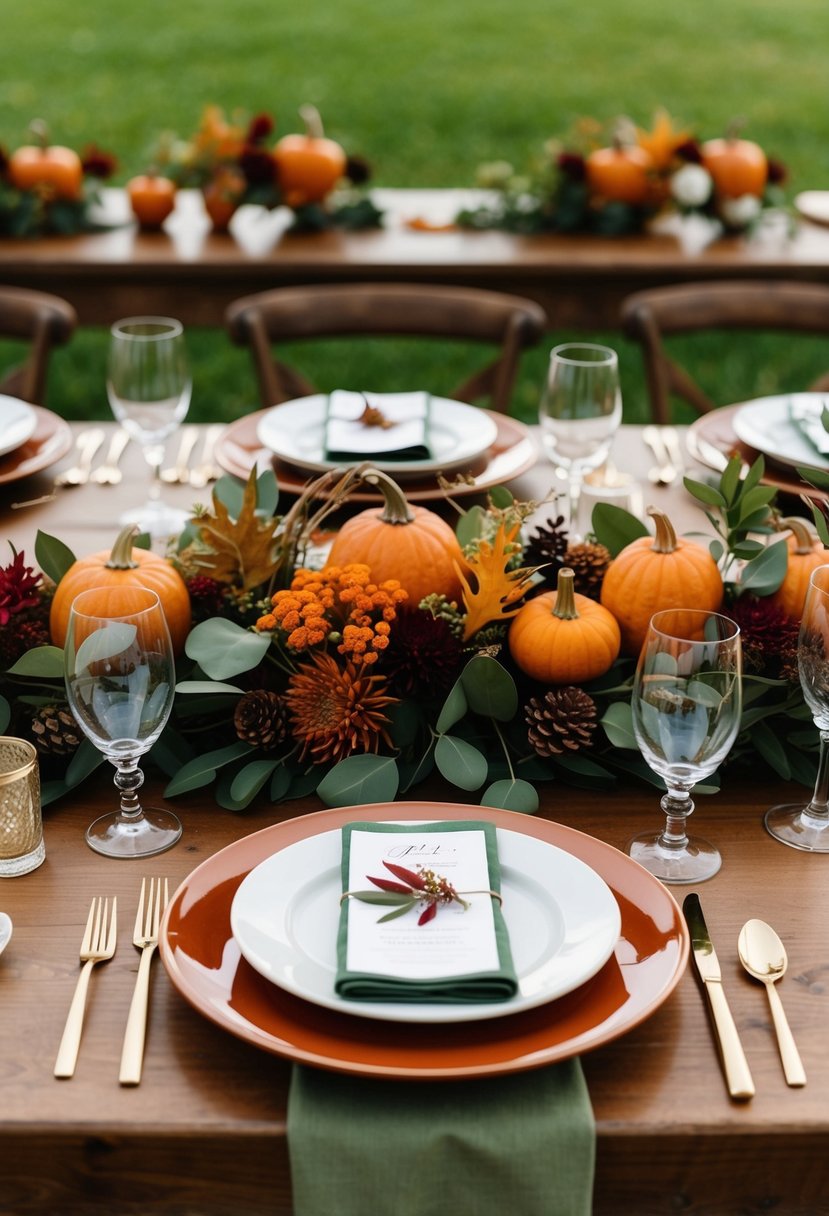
x=737, y=166
x=222, y=196
x=399, y=541
x=806, y=553
x=124, y=566
x=564, y=638
x=622, y=173
x=656, y=572
x=308, y=166
x=152, y=199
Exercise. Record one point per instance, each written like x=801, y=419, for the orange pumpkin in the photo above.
x=51, y=168
x=152, y=198
x=737, y=166
x=564, y=638
x=399, y=541
x=308, y=166
x=806, y=553
x=222, y=196
x=621, y=174
x=121, y=567
x=657, y=572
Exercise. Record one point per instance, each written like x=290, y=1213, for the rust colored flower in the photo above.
x=259, y=128
x=768, y=635
x=572, y=165
x=357, y=170
x=97, y=163
x=18, y=587
x=424, y=655
x=778, y=173
x=690, y=152
x=337, y=710
x=257, y=166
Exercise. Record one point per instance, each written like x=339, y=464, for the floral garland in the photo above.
x=619, y=182
x=47, y=188
x=330, y=681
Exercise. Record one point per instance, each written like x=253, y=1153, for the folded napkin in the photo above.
x=457, y=956
x=810, y=423
x=521, y=1144
x=379, y=426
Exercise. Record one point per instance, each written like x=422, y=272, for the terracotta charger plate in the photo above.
x=513, y=452
x=711, y=439
x=205, y=964
x=51, y=440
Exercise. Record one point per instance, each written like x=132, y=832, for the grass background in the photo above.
x=425, y=92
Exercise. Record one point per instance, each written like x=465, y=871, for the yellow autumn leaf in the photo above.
x=497, y=588
x=240, y=552
x=662, y=140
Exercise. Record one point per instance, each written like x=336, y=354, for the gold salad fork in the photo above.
x=145, y=939
x=97, y=946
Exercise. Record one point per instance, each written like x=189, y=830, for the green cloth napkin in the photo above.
x=519, y=1145
x=407, y=438
x=482, y=986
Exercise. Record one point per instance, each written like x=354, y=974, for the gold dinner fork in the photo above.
x=145, y=939
x=97, y=946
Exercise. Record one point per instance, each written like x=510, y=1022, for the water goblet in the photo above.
x=149, y=387
x=687, y=701
x=120, y=679
x=580, y=412
x=801, y=825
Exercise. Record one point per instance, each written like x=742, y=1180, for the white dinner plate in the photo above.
x=458, y=433
x=562, y=918
x=766, y=425
x=18, y=422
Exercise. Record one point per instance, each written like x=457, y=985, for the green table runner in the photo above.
x=520, y=1145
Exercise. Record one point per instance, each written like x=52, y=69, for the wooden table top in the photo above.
x=205, y=1131
x=193, y=273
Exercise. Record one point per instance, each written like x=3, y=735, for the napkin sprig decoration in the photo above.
x=421, y=887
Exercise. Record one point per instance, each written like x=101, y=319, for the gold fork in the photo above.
x=145, y=939
x=97, y=946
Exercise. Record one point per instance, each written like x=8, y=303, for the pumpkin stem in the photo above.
x=39, y=132
x=121, y=556
x=802, y=533
x=665, y=539
x=310, y=115
x=565, y=608
x=395, y=508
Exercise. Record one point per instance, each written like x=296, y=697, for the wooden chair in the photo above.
x=374, y=309
x=650, y=316
x=41, y=320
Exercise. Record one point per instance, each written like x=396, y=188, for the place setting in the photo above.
x=32, y=439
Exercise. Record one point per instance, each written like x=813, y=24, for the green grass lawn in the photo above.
x=425, y=92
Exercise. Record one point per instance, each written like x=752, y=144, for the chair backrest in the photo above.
x=43, y=321
x=368, y=309
x=650, y=316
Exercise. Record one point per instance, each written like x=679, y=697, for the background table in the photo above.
x=192, y=273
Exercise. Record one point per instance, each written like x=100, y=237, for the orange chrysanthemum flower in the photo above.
x=336, y=711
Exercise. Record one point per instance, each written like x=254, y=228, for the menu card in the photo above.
x=461, y=954
x=387, y=426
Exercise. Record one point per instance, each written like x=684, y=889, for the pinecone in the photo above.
x=56, y=733
x=562, y=720
x=589, y=563
x=261, y=719
x=547, y=548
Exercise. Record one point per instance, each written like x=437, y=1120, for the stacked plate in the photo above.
x=250, y=940
x=31, y=439
x=18, y=423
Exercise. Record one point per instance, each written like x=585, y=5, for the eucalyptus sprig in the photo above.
x=740, y=509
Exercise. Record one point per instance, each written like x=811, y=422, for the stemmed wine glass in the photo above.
x=580, y=412
x=120, y=679
x=687, y=701
x=149, y=386
x=806, y=826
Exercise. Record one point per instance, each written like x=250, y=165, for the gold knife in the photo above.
x=735, y=1066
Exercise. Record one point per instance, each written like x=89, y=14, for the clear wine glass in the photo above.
x=120, y=679
x=149, y=387
x=687, y=701
x=806, y=826
x=580, y=412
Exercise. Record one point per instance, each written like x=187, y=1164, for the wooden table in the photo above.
x=194, y=274
x=205, y=1131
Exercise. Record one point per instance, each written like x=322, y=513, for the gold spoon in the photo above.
x=764, y=956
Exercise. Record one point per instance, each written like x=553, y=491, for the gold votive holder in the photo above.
x=21, y=827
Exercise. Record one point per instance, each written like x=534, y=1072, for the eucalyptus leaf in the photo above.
x=360, y=779
x=754, y=500
x=191, y=687
x=231, y=492
x=709, y=495
x=85, y=760
x=401, y=911
x=460, y=762
x=43, y=661
x=490, y=689
x=249, y=780
x=754, y=474
x=470, y=526
x=768, y=745
x=384, y=899
x=454, y=708
x=415, y=771
x=815, y=477
x=406, y=719
x=171, y=751
x=804, y=768
x=512, y=795
x=5, y=715
x=280, y=783
x=53, y=556
x=304, y=783
x=617, y=722
x=110, y=640
x=202, y=770
x=730, y=480
x=820, y=522
x=615, y=528
x=267, y=492
x=764, y=573
x=501, y=497
x=222, y=648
